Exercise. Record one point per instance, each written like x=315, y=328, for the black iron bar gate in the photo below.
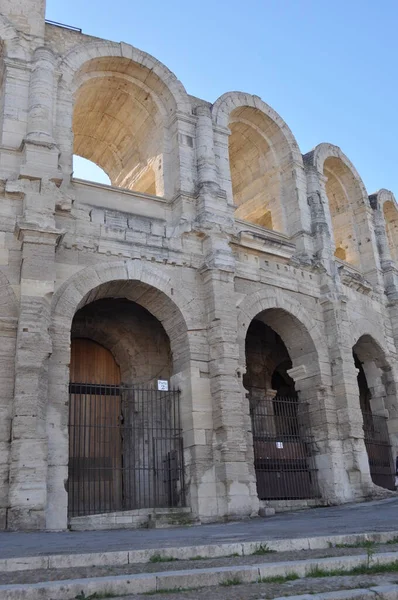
x=377, y=442
x=282, y=441
x=125, y=449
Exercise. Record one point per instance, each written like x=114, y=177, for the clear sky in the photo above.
x=328, y=68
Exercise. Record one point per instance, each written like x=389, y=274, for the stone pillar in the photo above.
x=233, y=448
x=40, y=154
x=205, y=156
x=15, y=105
x=8, y=328
x=41, y=97
x=321, y=225
x=212, y=206
x=346, y=399
x=28, y=466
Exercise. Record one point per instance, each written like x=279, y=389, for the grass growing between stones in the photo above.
x=364, y=544
x=95, y=596
x=359, y=570
x=169, y=591
x=279, y=578
x=261, y=550
x=157, y=558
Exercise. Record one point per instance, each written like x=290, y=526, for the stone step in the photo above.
x=134, y=519
x=125, y=557
x=185, y=579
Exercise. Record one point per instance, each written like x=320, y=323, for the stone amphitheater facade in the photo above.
x=220, y=259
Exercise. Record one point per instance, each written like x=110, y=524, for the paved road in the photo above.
x=381, y=515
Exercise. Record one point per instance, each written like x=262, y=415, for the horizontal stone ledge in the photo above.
x=190, y=578
x=124, y=557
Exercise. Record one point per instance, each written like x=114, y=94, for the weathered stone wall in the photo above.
x=218, y=220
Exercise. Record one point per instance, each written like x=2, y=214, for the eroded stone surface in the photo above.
x=214, y=221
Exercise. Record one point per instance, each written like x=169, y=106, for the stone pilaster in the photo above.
x=346, y=399
x=236, y=484
x=28, y=465
x=40, y=154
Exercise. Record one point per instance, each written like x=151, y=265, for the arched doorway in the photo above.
x=125, y=443
x=282, y=439
x=372, y=379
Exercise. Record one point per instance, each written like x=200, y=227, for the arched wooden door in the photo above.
x=95, y=436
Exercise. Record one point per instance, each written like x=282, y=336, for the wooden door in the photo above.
x=95, y=443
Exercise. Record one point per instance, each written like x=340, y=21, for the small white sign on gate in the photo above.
x=163, y=385
x=279, y=445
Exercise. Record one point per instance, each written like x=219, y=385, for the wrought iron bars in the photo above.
x=282, y=440
x=377, y=442
x=125, y=449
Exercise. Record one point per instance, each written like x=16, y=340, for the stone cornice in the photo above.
x=34, y=234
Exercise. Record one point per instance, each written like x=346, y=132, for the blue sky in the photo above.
x=328, y=68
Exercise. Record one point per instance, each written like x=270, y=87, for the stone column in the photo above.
x=41, y=97
x=28, y=466
x=40, y=155
x=212, y=203
x=8, y=328
x=15, y=93
x=233, y=449
x=346, y=399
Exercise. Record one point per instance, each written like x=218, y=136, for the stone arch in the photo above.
x=266, y=166
x=387, y=204
x=310, y=372
x=377, y=397
x=265, y=300
x=136, y=339
x=142, y=283
x=95, y=282
x=139, y=98
x=346, y=197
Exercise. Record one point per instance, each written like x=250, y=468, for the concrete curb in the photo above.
x=381, y=592
x=192, y=578
x=125, y=557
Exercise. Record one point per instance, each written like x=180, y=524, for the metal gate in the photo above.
x=125, y=449
x=282, y=443
x=377, y=442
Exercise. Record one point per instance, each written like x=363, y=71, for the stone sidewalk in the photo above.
x=381, y=515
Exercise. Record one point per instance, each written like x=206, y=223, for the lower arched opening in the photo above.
x=372, y=395
x=282, y=439
x=125, y=439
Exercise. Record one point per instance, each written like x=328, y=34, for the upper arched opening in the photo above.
x=342, y=192
x=347, y=200
x=262, y=155
x=121, y=115
x=118, y=123
x=390, y=211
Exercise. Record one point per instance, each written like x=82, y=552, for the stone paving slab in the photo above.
x=381, y=515
x=81, y=571
x=376, y=587
x=174, y=580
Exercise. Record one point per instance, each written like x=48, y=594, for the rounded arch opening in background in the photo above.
x=372, y=378
x=282, y=441
x=391, y=220
x=344, y=195
x=119, y=122
x=258, y=154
